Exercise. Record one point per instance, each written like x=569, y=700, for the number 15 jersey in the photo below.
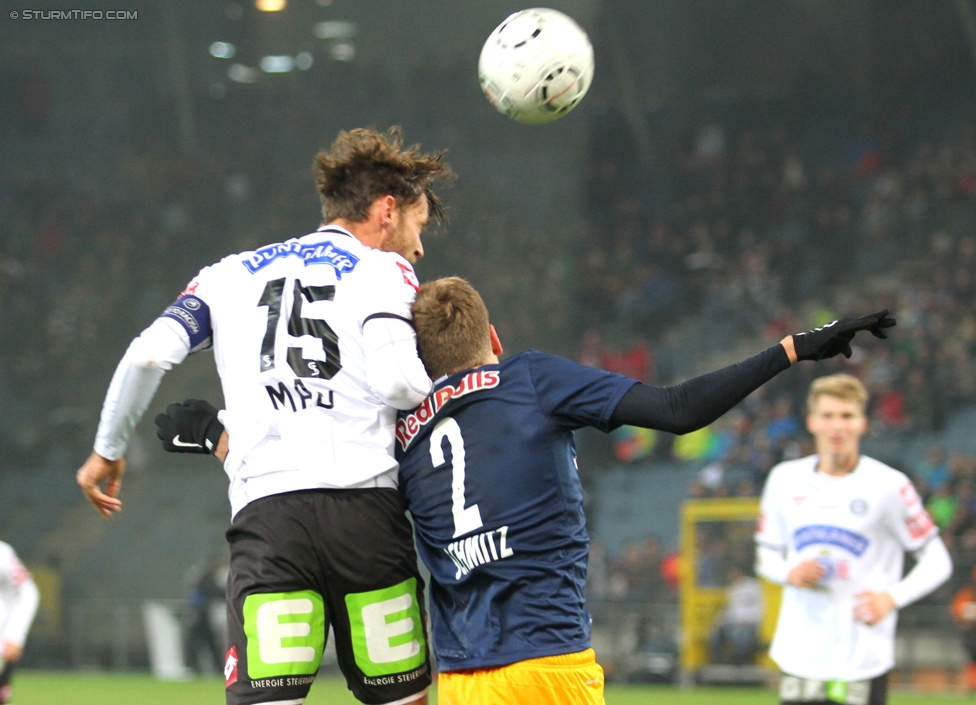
x=290, y=327
x=488, y=469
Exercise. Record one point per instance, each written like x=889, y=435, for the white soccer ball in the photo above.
x=536, y=66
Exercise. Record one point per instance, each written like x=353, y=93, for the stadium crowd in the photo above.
x=749, y=227
x=743, y=229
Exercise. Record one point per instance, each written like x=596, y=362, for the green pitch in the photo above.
x=45, y=688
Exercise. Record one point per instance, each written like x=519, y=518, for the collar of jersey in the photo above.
x=819, y=473
x=336, y=229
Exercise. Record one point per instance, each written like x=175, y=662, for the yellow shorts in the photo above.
x=570, y=679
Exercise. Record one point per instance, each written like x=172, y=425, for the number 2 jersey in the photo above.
x=488, y=469
x=290, y=326
x=858, y=527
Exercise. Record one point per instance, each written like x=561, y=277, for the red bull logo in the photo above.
x=409, y=426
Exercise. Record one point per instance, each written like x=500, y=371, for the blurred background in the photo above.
x=740, y=170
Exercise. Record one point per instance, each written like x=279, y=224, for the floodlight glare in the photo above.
x=277, y=64
x=270, y=5
x=222, y=50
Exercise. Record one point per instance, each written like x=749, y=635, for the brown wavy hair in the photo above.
x=363, y=165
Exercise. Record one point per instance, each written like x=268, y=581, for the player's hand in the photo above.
x=806, y=574
x=12, y=651
x=190, y=427
x=93, y=473
x=835, y=337
x=872, y=607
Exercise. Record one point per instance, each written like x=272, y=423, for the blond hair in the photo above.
x=452, y=326
x=840, y=386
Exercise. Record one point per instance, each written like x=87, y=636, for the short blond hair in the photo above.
x=840, y=386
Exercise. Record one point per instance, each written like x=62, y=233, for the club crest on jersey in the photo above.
x=858, y=506
x=850, y=541
x=409, y=425
x=319, y=253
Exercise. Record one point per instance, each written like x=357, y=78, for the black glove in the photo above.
x=835, y=338
x=190, y=427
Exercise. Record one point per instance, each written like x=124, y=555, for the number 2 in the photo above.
x=299, y=326
x=466, y=519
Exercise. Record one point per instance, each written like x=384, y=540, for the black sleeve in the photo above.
x=697, y=402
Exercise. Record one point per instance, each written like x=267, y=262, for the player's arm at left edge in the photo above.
x=182, y=328
x=26, y=598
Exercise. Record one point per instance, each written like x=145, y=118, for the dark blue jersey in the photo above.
x=488, y=468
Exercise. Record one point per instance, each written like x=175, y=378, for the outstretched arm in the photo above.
x=697, y=402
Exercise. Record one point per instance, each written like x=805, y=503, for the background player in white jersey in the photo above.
x=315, y=349
x=19, y=599
x=834, y=528
x=488, y=470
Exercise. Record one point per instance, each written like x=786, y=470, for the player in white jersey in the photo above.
x=315, y=349
x=834, y=528
x=19, y=599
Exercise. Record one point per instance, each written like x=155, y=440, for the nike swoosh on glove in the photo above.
x=835, y=337
x=190, y=427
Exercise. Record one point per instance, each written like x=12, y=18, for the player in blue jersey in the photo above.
x=488, y=470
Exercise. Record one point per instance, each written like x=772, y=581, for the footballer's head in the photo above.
x=453, y=332
x=364, y=165
x=844, y=387
x=836, y=416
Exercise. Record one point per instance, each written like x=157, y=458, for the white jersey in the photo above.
x=286, y=323
x=858, y=527
x=18, y=598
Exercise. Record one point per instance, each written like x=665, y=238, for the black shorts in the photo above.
x=302, y=561
x=807, y=691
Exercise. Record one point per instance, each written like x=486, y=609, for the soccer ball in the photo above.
x=536, y=66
